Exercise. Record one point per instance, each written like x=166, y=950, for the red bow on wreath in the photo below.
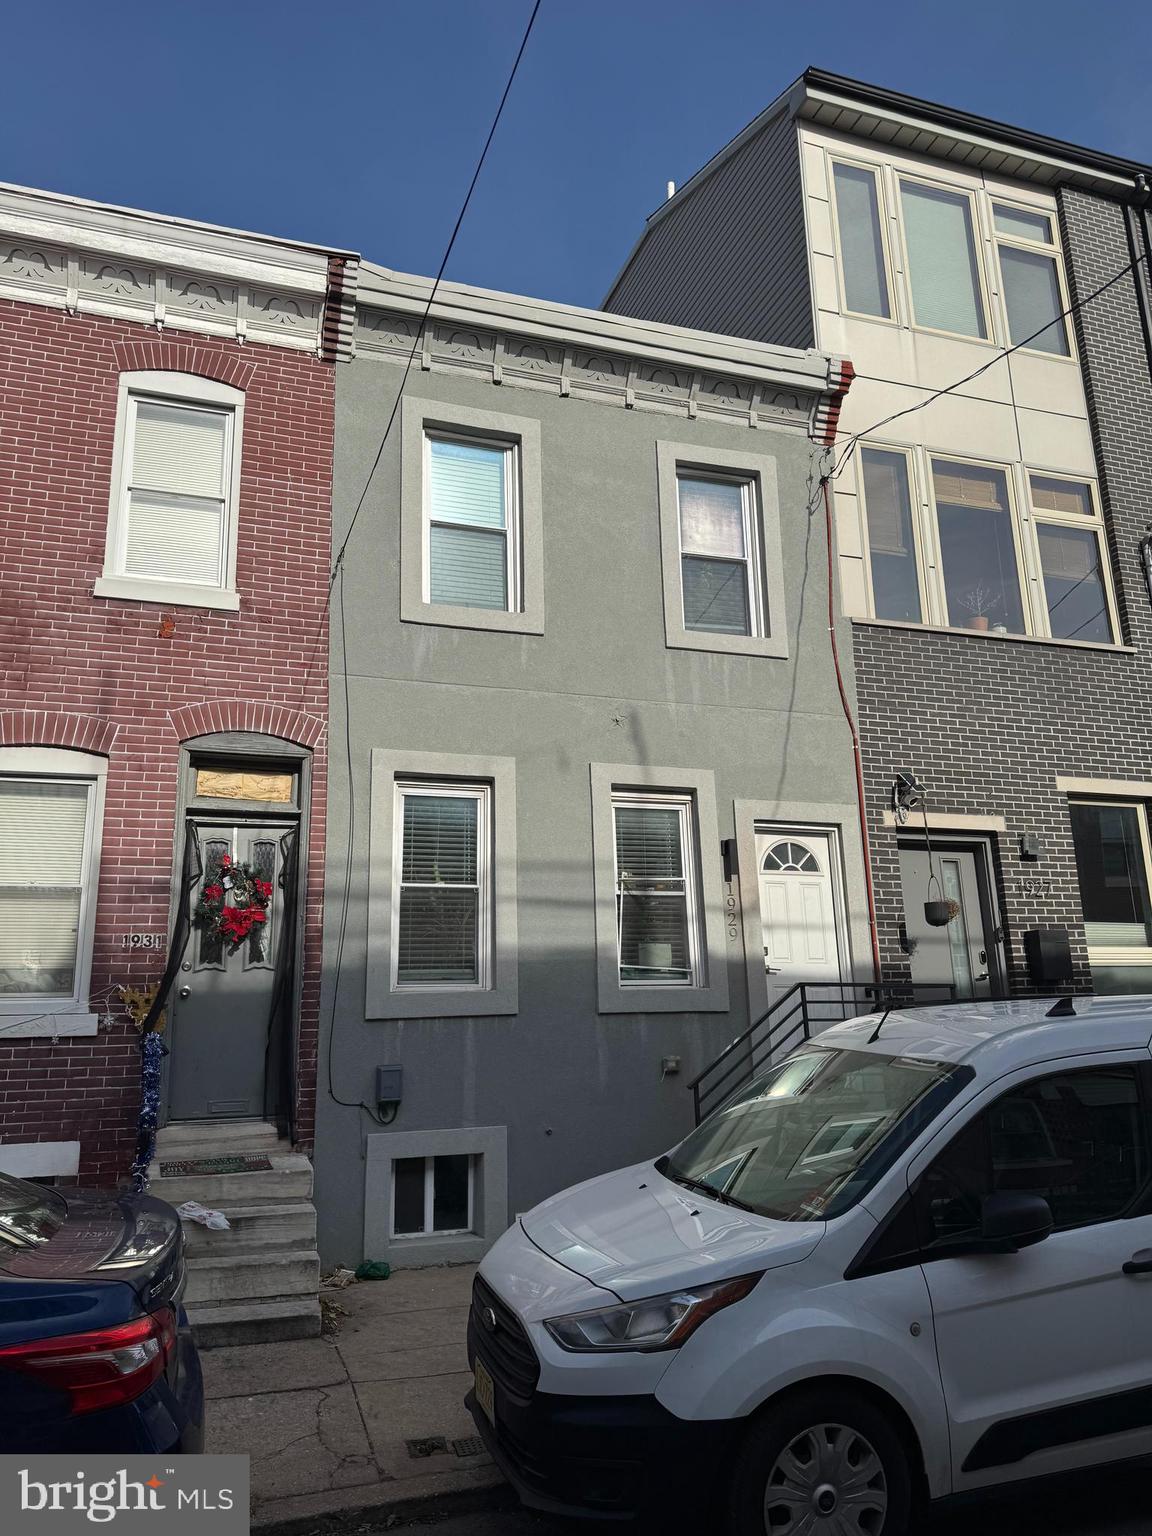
x=250, y=899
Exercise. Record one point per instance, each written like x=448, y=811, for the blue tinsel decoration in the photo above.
x=152, y=1053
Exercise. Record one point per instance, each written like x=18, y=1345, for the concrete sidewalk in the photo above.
x=328, y=1421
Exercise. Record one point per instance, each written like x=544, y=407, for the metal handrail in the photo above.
x=793, y=1014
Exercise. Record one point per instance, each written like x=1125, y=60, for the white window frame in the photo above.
x=1042, y=517
x=893, y=317
x=919, y=548
x=510, y=448
x=977, y=225
x=1118, y=954
x=753, y=557
x=482, y=795
x=38, y=1013
x=1015, y=523
x=684, y=805
x=187, y=390
x=1051, y=249
x=430, y=1200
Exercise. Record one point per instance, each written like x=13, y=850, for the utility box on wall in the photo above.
x=1049, y=955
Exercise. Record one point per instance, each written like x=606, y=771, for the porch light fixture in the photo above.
x=907, y=794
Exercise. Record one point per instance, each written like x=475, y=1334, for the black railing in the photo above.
x=804, y=1010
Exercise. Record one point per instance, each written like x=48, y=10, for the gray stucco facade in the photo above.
x=554, y=1072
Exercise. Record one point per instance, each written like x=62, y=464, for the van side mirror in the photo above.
x=1009, y=1221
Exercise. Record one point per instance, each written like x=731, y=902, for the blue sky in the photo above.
x=357, y=124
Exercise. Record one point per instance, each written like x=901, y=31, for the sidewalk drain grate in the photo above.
x=428, y=1445
x=472, y=1445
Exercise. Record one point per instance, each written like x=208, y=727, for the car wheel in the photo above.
x=822, y=1463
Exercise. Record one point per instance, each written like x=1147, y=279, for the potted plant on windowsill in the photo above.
x=979, y=601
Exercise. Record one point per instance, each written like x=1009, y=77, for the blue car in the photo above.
x=96, y=1353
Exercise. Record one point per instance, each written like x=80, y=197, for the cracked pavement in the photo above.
x=326, y=1421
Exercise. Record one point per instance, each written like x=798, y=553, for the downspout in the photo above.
x=829, y=437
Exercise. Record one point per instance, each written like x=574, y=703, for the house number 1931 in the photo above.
x=143, y=940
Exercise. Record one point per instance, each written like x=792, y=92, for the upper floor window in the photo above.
x=977, y=549
x=471, y=519
x=472, y=523
x=1030, y=277
x=172, y=518
x=719, y=562
x=943, y=268
x=860, y=229
x=50, y=813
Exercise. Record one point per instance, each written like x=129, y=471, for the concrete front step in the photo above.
x=255, y=1322
x=285, y=1225
x=245, y=1277
x=289, y=1178
x=217, y=1138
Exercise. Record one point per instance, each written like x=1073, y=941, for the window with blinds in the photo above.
x=719, y=562
x=44, y=836
x=442, y=917
x=472, y=537
x=942, y=263
x=859, y=228
x=657, y=920
x=1070, y=534
x=174, y=521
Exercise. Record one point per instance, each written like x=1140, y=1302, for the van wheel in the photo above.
x=822, y=1463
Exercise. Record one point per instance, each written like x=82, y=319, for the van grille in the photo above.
x=505, y=1350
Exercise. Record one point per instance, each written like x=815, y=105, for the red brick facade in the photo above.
x=130, y=680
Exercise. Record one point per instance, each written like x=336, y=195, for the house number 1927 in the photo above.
x=143, y=940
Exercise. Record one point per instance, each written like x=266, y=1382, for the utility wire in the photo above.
x=1005, y=352
x=419, y=337
x=336, y=579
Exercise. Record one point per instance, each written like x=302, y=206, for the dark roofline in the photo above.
x=969, y=122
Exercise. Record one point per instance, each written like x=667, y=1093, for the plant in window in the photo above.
x=232, y=921
x=980, y=601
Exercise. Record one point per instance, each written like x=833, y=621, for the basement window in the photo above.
x=432, y=1196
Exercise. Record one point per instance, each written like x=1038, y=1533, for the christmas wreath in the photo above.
x=250, y=897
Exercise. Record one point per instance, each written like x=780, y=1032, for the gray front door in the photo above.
x=221, y=1004
x=962, y=954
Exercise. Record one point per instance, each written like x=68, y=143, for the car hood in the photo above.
x=637, y=1234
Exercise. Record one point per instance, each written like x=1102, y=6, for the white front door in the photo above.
x=797, y=908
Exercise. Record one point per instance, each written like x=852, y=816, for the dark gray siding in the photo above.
x=732, y=256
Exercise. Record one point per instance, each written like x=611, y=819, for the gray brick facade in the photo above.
x=989, y=723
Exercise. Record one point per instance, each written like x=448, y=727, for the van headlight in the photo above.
x=657, y=1322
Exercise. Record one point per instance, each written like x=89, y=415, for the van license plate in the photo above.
x=485, y=1392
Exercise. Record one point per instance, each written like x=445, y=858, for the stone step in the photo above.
x=255, y=1322
x=289, y=1225
x=289, y=1178
x=217, y=1138
x=252, y=1276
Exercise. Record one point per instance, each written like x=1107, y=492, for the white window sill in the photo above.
x=29, y=1021
x=986, y=634
x=178, y=594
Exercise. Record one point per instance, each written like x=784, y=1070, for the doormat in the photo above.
x=243, y=1163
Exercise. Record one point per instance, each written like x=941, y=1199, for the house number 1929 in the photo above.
x=731, y=912
x=143, y=940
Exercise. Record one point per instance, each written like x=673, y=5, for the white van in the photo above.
x=912, y=1259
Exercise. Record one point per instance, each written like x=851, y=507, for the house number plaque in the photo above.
x=144, y=940
x=731, y=912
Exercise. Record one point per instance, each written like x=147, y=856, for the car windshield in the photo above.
x=29, y=1213
x=808, y=1138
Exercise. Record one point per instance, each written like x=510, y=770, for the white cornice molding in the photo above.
x=561, y=332
x=91, y=258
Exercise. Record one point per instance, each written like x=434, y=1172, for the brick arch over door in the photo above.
x=48, y=728
x=245, y=715
x=177, y=357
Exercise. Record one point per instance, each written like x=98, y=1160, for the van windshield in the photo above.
x=808, y=1138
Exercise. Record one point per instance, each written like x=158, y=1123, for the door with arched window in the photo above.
x=798, y=880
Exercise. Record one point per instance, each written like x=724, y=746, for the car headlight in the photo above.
x=657, y=1322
